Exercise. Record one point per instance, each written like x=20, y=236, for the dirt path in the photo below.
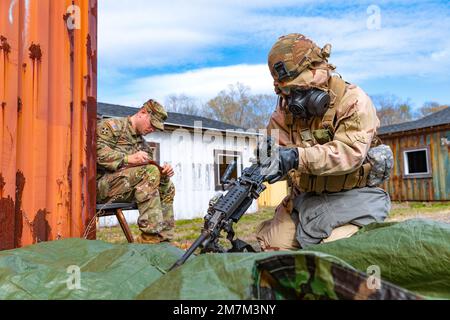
x=442, y=216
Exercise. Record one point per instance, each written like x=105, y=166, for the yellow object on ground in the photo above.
x=273, y=195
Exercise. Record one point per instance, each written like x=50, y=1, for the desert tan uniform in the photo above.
x=331, y=149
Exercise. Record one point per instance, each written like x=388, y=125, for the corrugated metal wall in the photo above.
x=48, y=84
x=436, y=188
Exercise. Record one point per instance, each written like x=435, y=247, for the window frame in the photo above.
x=224, y=152
x=406, y=174
x=156, y=150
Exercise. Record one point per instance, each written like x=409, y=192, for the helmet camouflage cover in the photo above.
x=295, y=60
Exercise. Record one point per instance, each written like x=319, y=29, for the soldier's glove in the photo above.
x=265, y=145
x=282, y=160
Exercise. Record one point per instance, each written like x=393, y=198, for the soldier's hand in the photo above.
x=167, y=170
x=283, y=159
x=138, y=158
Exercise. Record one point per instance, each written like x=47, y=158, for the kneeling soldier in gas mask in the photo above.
x=328, y=151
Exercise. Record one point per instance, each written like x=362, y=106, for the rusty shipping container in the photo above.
x=48, y=89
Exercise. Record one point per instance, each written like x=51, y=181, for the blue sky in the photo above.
x=151, y=49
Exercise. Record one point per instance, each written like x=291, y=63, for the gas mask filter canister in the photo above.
x=308, y=103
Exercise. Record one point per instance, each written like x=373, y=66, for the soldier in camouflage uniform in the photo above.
x=125, y=172
x=325, y=128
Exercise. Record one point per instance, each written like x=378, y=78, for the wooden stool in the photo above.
x=115, y=209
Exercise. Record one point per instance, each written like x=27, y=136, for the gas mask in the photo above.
x=308, y=103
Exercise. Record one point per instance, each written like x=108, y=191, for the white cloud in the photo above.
x=203, y=84
x=154, y=35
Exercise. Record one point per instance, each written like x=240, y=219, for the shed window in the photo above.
x=417, y=163
x=222, y=158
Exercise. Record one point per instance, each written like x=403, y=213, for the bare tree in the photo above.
x=391, y=109
x=430, y=107
x=182, y=103
x=263, y=107
x=236, y=105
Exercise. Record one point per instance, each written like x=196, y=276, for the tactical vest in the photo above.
x=312, y=183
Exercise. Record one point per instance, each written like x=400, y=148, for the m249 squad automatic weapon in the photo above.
x=226, y=209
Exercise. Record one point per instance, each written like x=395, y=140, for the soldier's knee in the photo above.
x=151, y=169
x=152, y=173
x=278, y=233
x=171, y=187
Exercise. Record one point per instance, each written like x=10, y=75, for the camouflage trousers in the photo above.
x=153, y=194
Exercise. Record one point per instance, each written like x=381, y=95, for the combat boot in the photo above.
x=166, y=235
x=146, y=238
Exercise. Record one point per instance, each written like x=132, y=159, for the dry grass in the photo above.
x=186, y=231
x=439, y=211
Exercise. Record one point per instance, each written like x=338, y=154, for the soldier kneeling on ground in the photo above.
x=125, y=174
x=327, y=149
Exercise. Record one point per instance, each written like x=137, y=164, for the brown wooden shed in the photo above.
x=421, y=158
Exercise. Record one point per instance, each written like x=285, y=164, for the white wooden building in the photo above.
x=199, y=150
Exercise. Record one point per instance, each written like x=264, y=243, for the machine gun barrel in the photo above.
x=197, y=243
x=230, y=168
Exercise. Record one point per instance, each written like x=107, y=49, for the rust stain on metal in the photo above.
x=18, y=213
x=94, y=62
x=6, y=223
x=2, y=184
x=41, y=227
x=19, y=104
x=35, y=52
x=94, y=10
x=36, y=56
x=4, y=45
x=91, y=152
x=92, y=55
x=83, y=171
x=6, y=48
x=69, y=181
x=66, y=17
x=88, y=45
x=11, y=215
x=88, y=87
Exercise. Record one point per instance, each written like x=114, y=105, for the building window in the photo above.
x=154, y=146
x=222, y=158
x=417, y=163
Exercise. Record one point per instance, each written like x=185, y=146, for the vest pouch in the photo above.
x=322, y=136
x=335, y=183
x=305, y=182
x=352, y=179
x=320, y=183
x=365, y=173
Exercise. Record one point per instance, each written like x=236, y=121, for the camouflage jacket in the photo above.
x=330, y=161
x=356, y=125
x=116, y=139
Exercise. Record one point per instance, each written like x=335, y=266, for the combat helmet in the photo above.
x=293, y=54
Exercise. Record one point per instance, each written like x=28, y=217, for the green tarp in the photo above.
x=413, y=258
